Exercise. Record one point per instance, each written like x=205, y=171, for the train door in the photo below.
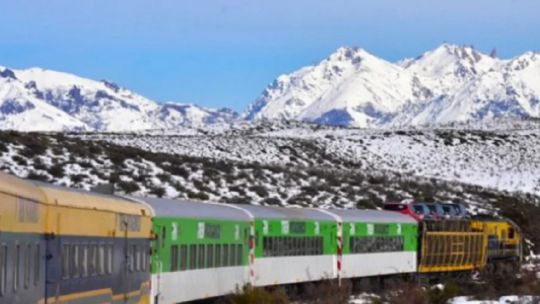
x=53, y=265
x=157, y=248
x=127, y=262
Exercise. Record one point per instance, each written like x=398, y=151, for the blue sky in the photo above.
x=223, y=53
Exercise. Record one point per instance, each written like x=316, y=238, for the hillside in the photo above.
x=265, y=165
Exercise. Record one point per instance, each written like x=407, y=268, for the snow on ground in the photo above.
x=502, y=300
x=506, y=159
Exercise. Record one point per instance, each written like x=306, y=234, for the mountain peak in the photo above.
x=354, y=55
x=450, y=83
x=7, y=73
x=452, y=62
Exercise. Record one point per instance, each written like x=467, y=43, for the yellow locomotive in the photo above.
x=448, y=245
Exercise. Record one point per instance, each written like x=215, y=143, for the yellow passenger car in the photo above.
x=22, y=243
x=61, y=246
x=97, y=248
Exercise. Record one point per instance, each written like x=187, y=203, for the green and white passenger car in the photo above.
x=203, y=250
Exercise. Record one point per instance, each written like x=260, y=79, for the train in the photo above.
x=61, y=245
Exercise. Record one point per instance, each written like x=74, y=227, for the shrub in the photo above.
x=271, y=201
x=37, y=176
x=198, y=196
x=441, y=296
x=250, y=295
x=57, y=170
x=329, y=291
x=128, y=186
x=3, y=147
x=77, y=178
x=19, y=160
x=158, y=191
x=260, y=190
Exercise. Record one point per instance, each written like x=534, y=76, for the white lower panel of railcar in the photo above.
x=181, y=286
x=285, y=270
x=373, y=264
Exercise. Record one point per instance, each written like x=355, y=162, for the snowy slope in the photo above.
x=506, y=157
x=23, y=111
x=50, y=100
x=451, y=83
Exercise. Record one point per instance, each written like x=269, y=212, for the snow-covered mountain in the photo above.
x=44, y=100
x=351, y=87
x=451, y=83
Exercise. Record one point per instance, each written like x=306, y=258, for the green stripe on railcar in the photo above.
x=187, y=244
x=295, y=237
x=379, y=237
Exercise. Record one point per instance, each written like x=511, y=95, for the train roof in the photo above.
x=291, y=213
x=372, y=216
x=18, y=187
x=76, y=198
x=194, y=209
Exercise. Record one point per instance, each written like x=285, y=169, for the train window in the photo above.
x=183, y=257
x=193, y=257
x=137, y=257
x=511, y=233
x=101, y=259
x=267, y=245
x=74, y=267
x=210, y=255
x=133, y=256
x=163, y=235
x=27, y=267
x=64, y=257
x=201, y=256
x=109, y=248
x=3, y=269
x=144, y=254
x=130, y=259
x=84, y=260
x=92, y=258
x=174, y=257
x=16, y=267
x=218, y=256
x=37, y=263
x=239, y=254
x=225, y=259
x=96, y=259
x=232, y=255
